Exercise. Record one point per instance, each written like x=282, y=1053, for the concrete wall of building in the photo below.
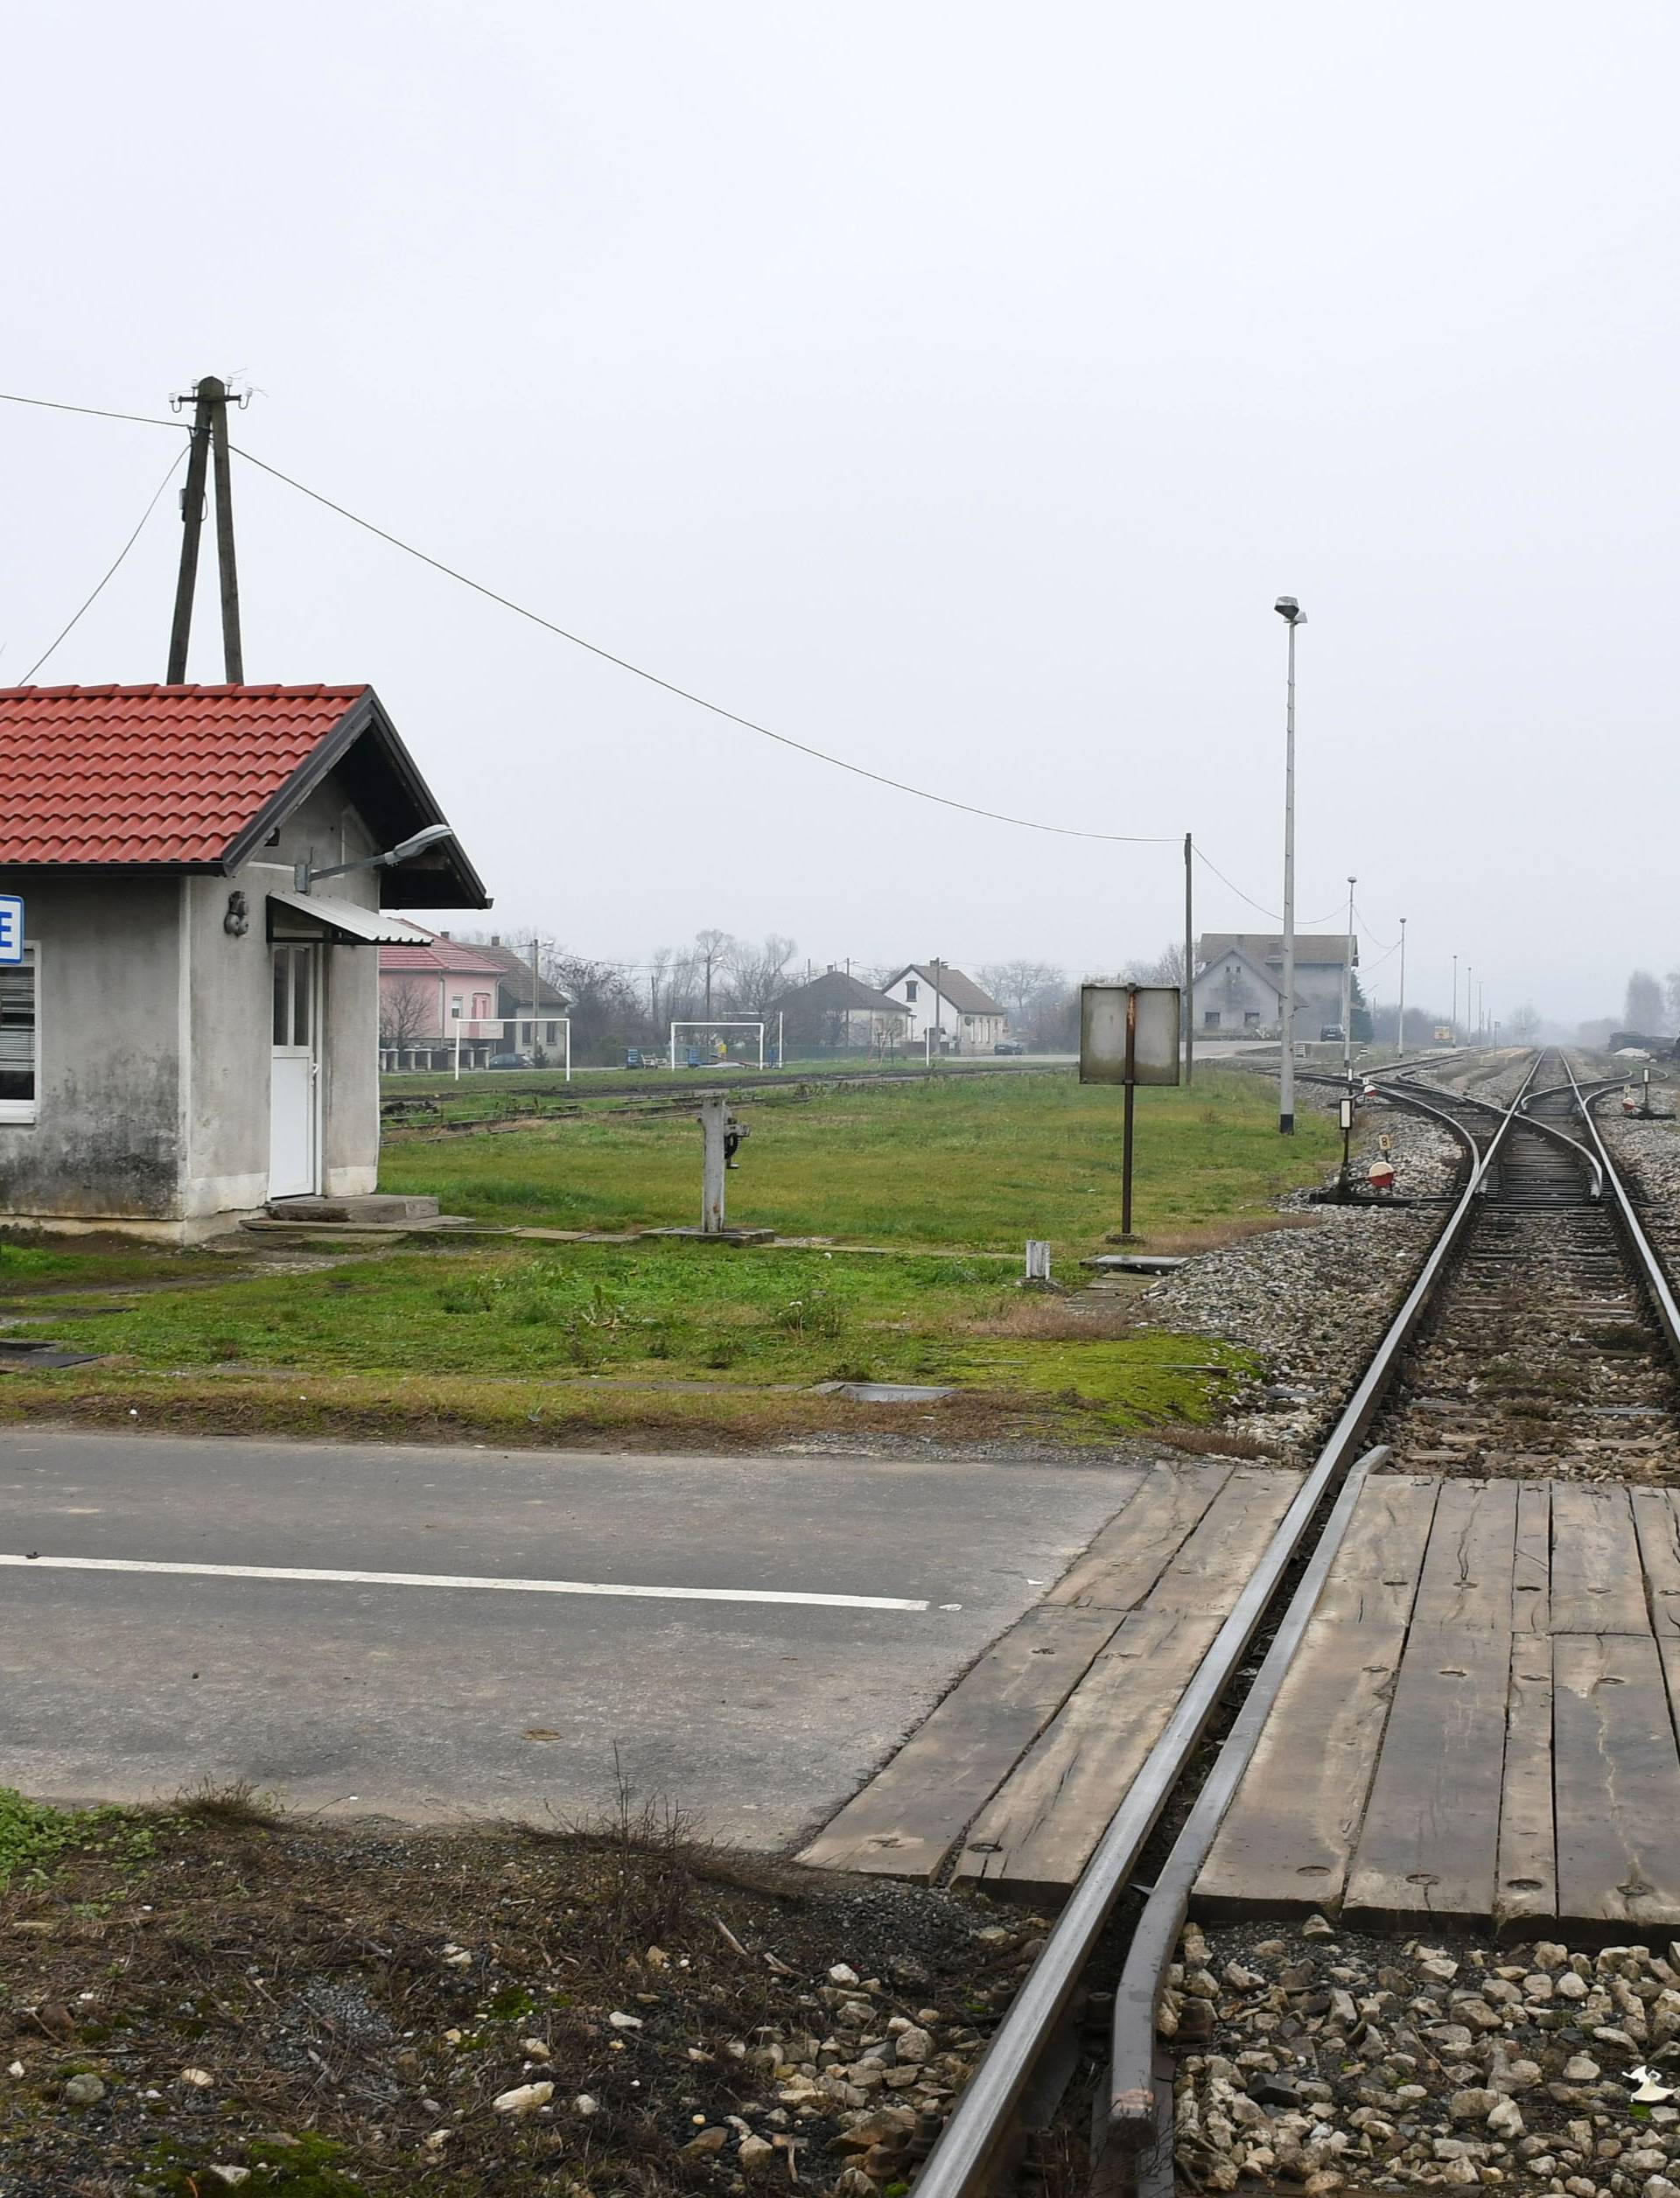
x=1229, y=988
x=108, y=1140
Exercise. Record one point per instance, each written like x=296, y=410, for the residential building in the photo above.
x=1239, y=981
x=533, y=1010
x=965, y=1018
x=436, y=995
x=193, y=1031
x=838, y=1013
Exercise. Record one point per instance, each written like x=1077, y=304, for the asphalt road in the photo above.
x=499, y=1670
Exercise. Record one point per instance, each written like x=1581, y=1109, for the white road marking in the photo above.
x=464, y=1580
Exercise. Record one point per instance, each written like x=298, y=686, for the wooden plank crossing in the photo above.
x=1488, y=1737
x=1032, y=1752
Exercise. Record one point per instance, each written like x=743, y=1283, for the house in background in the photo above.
x=434, y=995
x=964, y=1018
x=192, y=1032
x=1239, y=981
x=838, y=1013
x=533, y=1010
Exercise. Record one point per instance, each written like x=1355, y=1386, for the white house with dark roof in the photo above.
x=1240, y=975
x=194, y=1029
x=965, y=1018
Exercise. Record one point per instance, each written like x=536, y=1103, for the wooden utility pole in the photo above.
x=209, y=439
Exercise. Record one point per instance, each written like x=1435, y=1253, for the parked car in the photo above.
x=508, y=1061
x=1331, y=1034
x=1009, y=1046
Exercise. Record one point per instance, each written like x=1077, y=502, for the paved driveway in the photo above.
x=440, y=1632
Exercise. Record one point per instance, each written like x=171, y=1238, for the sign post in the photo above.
x=1128, y=1035
x=11, y=927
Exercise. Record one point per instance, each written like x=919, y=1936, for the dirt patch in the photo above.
x=345, y=2011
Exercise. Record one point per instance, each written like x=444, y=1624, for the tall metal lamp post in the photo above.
x=1288, y=609
x=1348, y=993
x=1400, y=1028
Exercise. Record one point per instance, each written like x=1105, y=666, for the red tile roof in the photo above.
x=149, y=774
x=442, y=955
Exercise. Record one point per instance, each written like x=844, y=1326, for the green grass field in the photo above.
x=983, y=1163
x=518, y=1340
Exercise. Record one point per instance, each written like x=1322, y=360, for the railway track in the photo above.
x=1540, y=1338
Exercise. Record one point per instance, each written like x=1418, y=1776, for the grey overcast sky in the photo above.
x=951, y=387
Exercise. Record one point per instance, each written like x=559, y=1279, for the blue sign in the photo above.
x=11, y=927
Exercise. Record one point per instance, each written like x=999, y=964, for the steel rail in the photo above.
x=1583, y=1153
x=971, y=2148
x=1651, y=1271
x=1133, y=2118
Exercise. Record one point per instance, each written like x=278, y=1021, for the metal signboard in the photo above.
x=1129, y=1035
x=11, y=927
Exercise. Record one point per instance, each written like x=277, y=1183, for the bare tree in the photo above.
x=756, y=974
x=1523, y=1022
x=1642, y=1009
x=405, y=1014
x=1672, y=993
x=712, y=947
x=1016, y=985
x=1167, y=968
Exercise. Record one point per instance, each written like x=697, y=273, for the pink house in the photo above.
x=430, y=996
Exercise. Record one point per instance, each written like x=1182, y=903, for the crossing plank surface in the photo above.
x=1658, y=1528
x=1526, y=1772
x=1429, y=1843
x=907, y=1820
x=1467, y=1569
x=1596, y=1586
x=1528, y=1835
x=1617, y=1782
x=1209, y=1570
x=1531, y=1568
x=1132, y=1551
x=1375, y=1571
x=1288, y=1834
x=1037, y=1833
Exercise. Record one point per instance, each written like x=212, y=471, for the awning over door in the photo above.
x=305, y=916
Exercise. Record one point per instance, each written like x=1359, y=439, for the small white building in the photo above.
x=194, y=1029
x=965, y=1018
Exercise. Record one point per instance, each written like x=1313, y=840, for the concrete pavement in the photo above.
x=592, y=1603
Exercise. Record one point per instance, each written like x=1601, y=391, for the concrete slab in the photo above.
x=366, y=1693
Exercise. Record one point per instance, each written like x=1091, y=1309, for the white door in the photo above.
x=293, y=1142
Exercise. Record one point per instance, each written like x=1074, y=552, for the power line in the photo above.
x=174, y=467
x=683, y=693
x=95, y=412
x=686, y=694
x=1270, y=914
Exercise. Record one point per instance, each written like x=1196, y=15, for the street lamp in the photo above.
x=304, y=874
x=1288, y=609
x=1400, y=1035
x=1348, y=993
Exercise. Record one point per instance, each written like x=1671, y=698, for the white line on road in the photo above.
x=466, y=1580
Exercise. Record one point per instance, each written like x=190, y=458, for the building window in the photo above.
x=1251, y=1018
x=480, y=1007
x=18, y=1050
x=1210, y=1019
x=551, y=1030
x=910, y=992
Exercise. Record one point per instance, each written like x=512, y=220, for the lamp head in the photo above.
x=1287, y=607
x=420, y=841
